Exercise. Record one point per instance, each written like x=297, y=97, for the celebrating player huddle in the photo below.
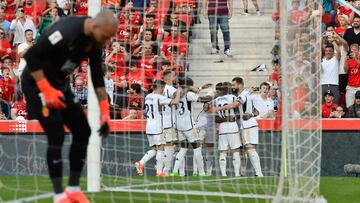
x=229, y=116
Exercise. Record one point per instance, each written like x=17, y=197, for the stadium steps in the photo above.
x=252, y=38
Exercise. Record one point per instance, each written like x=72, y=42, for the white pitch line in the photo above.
x=31, y=199
x=174, y=183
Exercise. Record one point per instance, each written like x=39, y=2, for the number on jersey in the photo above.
x=149, y=109
x=223, y=113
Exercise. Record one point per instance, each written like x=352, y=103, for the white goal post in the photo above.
x=94, y=146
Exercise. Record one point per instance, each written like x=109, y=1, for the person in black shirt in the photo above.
x=57, y=53
x=352, y=35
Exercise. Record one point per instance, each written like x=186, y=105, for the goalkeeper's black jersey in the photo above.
x=64, y=42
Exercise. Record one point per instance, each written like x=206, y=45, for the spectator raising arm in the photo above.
x=337, y=50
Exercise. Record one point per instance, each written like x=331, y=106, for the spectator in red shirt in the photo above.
x=150, y=24
x=81, y=7
x=83, y=71
x=343, y=10
x=129, y=8
x=110, y=3
x=295, y=12
x=174, y=21
x=160, y=17
x=174, y=40
x=18, y=109
x=138, y=76
x=299, y=96
x=7, y=62
x=131, y=114
x=117, y=57
x=136, y=96
x=343, y=25
x=118, y=75
x=352, y=67
x=7, y=85
x=4, y=108
x=329, y=106
x=33, y=12
x=128, y=29
x=9, y=9
x=177, y=64
x=184, y=6
x=5, y=48
x=146, y=38
x=274, y=78
x=147, y=59
x=165, y=65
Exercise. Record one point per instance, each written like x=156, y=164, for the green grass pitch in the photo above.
x=334, y=189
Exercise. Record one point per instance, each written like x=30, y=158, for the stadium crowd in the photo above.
x=153, y=37
x=339, y=63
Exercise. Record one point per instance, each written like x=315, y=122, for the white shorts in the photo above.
x=156, y=139
x=170, y=135
x=190, y=135
x=231, y=139
x=250, y=135
x=206, y=135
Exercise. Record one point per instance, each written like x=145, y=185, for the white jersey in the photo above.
x=226, y=127
x=247, y=107
x=169, y=110
x=153, y=112
x=264, y=106
x=184, y=112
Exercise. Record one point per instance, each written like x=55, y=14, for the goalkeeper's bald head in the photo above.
x=103, y=27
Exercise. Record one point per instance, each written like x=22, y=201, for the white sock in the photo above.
x=243, y=163
x=179, y=158
x=58, y=197
x=73, y=188
x=255, y=161
x=195, y=166
x=169, y=152
x=182, y=167
x=147, y=156
x=222, y=163
x=209, y=159
x=199, y=160
x=159, y=161
x=236, y=163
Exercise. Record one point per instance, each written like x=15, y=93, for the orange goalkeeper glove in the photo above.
x=104, y=118
x=53, y=98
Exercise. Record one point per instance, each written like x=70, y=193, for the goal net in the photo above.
x=301, y=28
x=289, y=143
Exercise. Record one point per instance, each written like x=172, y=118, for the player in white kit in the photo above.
x=186, y=128
x=169, y=121
x=153, y=105
x=228, y=129
x=248, y=126
x=206, y=130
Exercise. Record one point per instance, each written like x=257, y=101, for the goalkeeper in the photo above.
x=50, y=61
